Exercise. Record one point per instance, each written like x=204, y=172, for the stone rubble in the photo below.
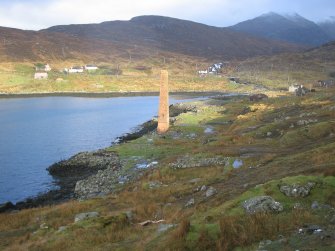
x=188, y=161
x=260, y=204
x=85, y=216
x=296, y=190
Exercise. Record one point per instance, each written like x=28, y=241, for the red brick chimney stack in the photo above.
x=163, y=113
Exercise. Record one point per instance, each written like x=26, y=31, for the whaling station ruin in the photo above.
x=163, y=112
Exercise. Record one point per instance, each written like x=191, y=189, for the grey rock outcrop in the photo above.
x=105, y=181
x=154, y=184
x=62, y=229
x=190, y=161
x=84, y=216
x=99, y=184
x=85, y=162
x=303, y=122
x=210, y=192
x=261, y=204
x=164, y=227
x=190, y=203
x=179, y=108
x=296, y=190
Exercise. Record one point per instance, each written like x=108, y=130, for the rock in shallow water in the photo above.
x=261, y=204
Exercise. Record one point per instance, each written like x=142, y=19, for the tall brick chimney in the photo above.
x=163, y=113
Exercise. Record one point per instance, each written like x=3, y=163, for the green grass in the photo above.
x=322, y=192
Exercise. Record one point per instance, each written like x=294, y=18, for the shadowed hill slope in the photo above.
x=175, y=35
x=22, y=45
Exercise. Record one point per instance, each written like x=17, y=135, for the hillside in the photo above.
x=25, y=46
x=179, y=36
x=195, y=197
x=279, y=71
x=291, y=28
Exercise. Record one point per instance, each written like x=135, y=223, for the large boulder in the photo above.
x=296, y=190
x=261, y=204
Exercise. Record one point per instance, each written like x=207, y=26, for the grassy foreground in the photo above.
x=284, y=139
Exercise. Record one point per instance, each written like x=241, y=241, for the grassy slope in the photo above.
x=273, y=72
x=18, y=77
x=291, y=154
x=280, y=71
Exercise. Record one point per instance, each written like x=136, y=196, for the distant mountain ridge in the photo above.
x=328, y=26
x=178, y=36
x=290, y=28
x=145, y=36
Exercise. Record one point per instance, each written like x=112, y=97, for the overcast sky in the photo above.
x=39, y=14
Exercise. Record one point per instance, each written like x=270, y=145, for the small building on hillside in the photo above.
x=203, y=73
x=293, y=88
x=217, y=68
x=75, y=69
x=298, y=90
x=325, y=83
x=91, y=67
x=41, y=75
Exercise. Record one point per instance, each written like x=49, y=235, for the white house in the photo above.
x=90, y=67
x=75, y=69
x=41, y=75
x=293, y=88
x=202, y=72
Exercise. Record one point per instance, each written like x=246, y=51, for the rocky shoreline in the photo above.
x=91, y=174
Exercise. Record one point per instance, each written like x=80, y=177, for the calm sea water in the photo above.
x=36, y=132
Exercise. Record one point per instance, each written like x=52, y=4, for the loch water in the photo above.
x=37, y=132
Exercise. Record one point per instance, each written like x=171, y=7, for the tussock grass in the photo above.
x=243, y=231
